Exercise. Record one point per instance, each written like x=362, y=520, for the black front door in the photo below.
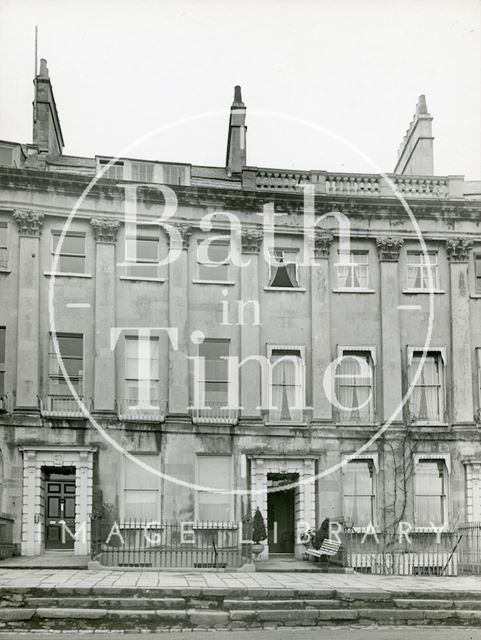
x=59, y=507
x=280, y=521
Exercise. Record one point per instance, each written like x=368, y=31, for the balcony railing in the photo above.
x=214, y=413
x=129, y=411
x=352, y=184
x=55, y=406
x=3, y=258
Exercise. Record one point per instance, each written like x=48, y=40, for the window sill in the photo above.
x=221, y=282
x=425, y=291
x=142, y=279
x=357, y=424
x=6, y=271
x=300, y=289
x=65, y=274
x=427, y=423
x=286, y=423
x=353, y=290
x=475, y=295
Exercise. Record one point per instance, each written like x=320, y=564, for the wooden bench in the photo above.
x=327, y=548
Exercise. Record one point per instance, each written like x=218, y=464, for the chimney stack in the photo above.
x=47, y=133
x=236, y=156
x=415, y=155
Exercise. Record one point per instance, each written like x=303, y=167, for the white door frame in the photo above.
x=305, y=509
x=33, y=513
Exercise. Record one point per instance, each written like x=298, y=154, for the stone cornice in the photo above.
x=388, y=248
x=235, y=199
x=29, y=222
x=105, y=229
x=458, y=249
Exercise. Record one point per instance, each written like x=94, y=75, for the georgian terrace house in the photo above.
x=110, y=310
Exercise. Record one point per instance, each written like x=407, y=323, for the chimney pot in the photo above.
x=237, y=95
x=43, y=68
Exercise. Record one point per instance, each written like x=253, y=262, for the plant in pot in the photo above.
x=259, y=532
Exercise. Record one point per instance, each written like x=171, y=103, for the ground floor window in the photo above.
x=359, y=493
x=214, y=472
x=430, y=493
x=141, y=490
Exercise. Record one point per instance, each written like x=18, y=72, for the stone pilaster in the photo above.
x=388, y=251
x=105, y=231
x=28, y=369
x=462, y=387
x=320, y=325
x=179, y=318
x=250, y=332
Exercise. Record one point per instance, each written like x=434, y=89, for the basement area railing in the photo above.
x=195, y=545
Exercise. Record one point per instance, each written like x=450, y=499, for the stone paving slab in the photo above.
x=276, y=583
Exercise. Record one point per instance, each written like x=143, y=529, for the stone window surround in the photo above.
x=34, y=458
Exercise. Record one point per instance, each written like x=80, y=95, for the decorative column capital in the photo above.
x=105, y=229
x=29, y=222
x=251, y=240
x=458, y=249
x=322, y=243
x=388, y=248
x=185, y=230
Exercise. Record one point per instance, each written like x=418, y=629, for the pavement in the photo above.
x=73, y=578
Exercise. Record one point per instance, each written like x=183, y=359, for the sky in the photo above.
x=329, y=85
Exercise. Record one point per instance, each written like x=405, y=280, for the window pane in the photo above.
x=358, y=509
x=2, y=344
x=214, y=349
x=215, y=472
x=142, y=171
x=137, y=477
x=358, y=478
x=429, y=510
x=141, y=505
x=3, y=234
x=71, y=264
x=2, y=383
x=218, y=253
x=213, y=507
x=147, y=249
x=70, y=345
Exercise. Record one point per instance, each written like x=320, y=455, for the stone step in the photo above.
x=103, y=619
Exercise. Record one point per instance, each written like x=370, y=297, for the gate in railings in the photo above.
x=142, y=543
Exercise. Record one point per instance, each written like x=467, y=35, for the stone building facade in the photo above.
x=405, y=300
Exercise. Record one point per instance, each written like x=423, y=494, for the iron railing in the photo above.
x=423, y=552
x=128, y=410
x=214, y=413
x=196, y=545
x=57, y=406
